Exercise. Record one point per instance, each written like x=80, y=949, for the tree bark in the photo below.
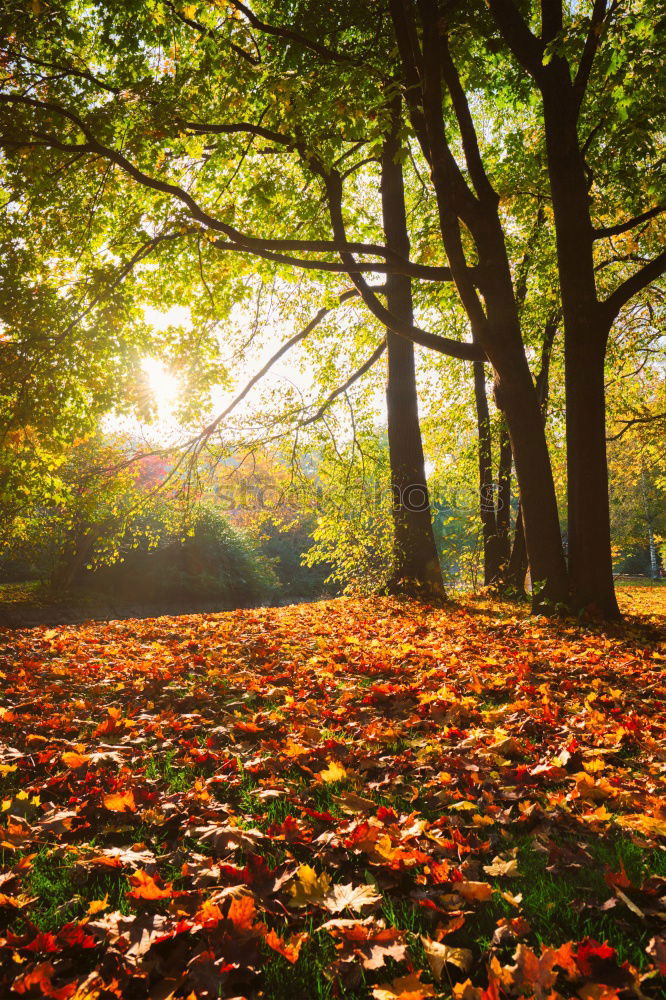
x=518, y=562
x=585, y=338
x=416, y=569
x=504, y=501
x=491, y=554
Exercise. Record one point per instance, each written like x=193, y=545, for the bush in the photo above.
x=214, y=562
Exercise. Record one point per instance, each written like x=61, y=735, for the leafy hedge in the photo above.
x=213, y=562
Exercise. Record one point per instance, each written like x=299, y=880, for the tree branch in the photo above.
x=551, y=20
x=375, y=356
x=203, y=128
x=238, y=240
x=290, y=34
x=444, y=345
x=648, y=419
x=477, y=171
x=643, y=277
x=590, y=49
x=623, y=227
x=527, y=49
x=288, y=344
x=404, y=30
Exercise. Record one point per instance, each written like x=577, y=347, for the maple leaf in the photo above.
x=342, y=897
x=405, y=988
x=505, y=868
x=73, y=760
x=369, y=941
x=40, y=977
x=145, y=887
x=290, y=949
x=334, y=772
x=439, y=955
x=241, y=912
x=98, y=906
x=120, y=801
x=309, y=889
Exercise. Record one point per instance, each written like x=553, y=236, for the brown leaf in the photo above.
x=439, y=955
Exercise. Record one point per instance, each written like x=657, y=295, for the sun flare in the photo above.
x=164, y=386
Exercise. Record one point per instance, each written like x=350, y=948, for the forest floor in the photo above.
x=353, y=798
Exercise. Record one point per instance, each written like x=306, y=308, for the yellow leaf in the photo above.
x=499, y=866
x=473, y=891
x=439, y=955
x=309, y=888
x=334, y=772
x=405, y=988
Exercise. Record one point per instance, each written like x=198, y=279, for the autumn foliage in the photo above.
x=362, y=788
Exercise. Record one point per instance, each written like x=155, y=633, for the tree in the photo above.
x=573, y=60
x=415, y=560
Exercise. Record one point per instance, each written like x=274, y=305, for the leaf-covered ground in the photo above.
x=351, y=798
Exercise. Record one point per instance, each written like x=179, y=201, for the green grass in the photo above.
x=551, y=900
x=62, y=894
x=177, y=779
x=306, y=979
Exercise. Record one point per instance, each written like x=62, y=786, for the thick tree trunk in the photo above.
x=416, y=568
x=590, y=560
x=585, y=337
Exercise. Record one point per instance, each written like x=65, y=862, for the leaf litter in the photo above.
x=186, y=800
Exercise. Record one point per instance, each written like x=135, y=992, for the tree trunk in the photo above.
x=504, y=501
x=654, y=558
x=416, y=568
x=491, y=555
x=585, y=338
x=518, y=562
x=590, y=560
x=493, y=315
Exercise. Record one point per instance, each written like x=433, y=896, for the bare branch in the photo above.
x=281, y=351
x=366, y=366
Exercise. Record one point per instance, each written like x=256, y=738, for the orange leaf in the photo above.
x=242, y=912
x=40, y=976
x=120, y=801
x=72, y=759
x=291, y=948
x=145, y=887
